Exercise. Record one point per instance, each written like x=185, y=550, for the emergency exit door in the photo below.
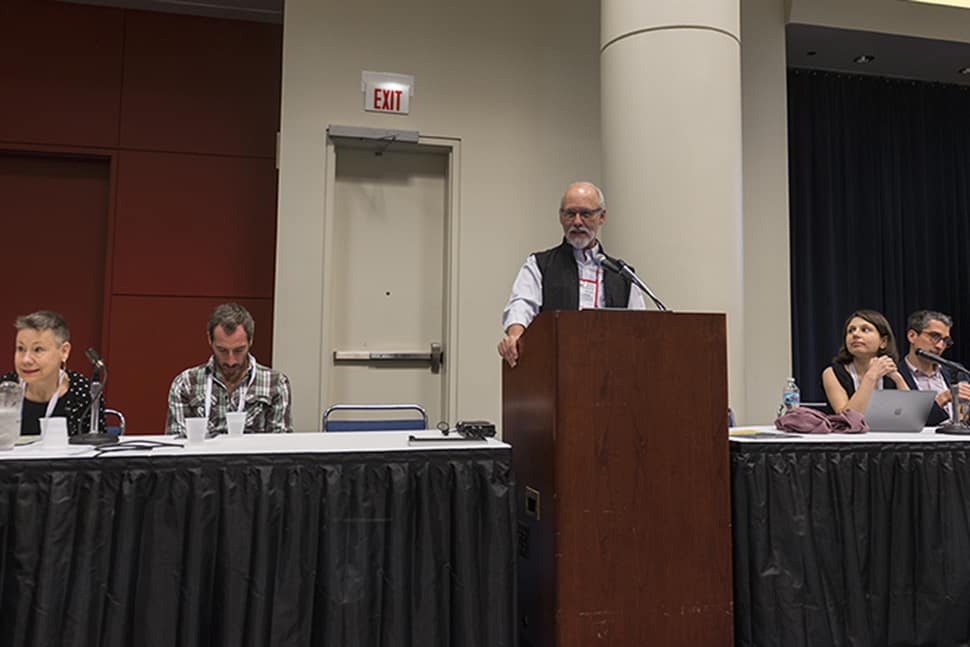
x=388, y=303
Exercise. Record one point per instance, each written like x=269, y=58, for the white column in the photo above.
x=671, y=125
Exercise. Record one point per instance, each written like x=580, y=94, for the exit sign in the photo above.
x=386, y=92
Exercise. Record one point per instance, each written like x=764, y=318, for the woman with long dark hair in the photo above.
x=866, y=362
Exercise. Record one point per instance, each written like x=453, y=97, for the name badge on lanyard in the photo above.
x=243, y=389
x=589, y=292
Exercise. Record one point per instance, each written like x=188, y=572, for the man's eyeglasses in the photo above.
x=585, y=214
x=936, y=338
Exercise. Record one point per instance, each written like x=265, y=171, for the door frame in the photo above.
x=451, y=147
x=111, y=156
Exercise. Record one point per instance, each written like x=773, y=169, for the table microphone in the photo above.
x=99, y=367
x=955, y=426
x=94, y=436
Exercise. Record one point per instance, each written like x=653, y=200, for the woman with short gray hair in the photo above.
x=41, y=351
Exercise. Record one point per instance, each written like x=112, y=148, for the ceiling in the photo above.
x=253, y=10
x=827, y=48
x=808, y=46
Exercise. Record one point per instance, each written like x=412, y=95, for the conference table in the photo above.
x=377, y=538
x=850, y=539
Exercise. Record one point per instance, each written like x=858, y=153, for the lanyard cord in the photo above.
x=57, y=393
x=243, y=389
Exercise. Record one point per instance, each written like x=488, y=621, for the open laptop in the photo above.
x=892, y=410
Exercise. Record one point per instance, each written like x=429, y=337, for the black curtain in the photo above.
x=879, y=181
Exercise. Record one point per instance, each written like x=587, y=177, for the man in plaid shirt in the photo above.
x=230, y=381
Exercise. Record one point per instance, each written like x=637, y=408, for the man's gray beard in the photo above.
x=574, y=240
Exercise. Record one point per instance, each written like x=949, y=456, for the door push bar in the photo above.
x=435, y=357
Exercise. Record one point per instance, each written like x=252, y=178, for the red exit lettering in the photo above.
x=389, y=100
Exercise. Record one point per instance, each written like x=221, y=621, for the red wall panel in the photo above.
x=55, y=218
x=184, y=112
x=60, y=73
x=194, y=225
x=153, y=339
x=201, y=85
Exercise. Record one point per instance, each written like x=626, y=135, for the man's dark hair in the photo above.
x=230, y=316
x=922, y=318
x=45, y=320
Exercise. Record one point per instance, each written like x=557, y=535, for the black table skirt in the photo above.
x=388, y=549
x=854, y=544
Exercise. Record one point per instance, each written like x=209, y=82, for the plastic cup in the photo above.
x=11, y=403
x=53, y=432
x=236, y=420
x=196, y=430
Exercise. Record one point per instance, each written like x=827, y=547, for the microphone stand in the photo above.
x=94, y=435
x=97, y=388
x=620, y=267
x=627, y=271
x=955, y=426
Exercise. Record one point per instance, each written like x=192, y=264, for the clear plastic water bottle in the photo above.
x=791, y=397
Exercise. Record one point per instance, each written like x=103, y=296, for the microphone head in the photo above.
x=603, y=260
x=94, y=357
x=622, y=263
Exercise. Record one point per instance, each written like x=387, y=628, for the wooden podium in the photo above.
x=618, y=426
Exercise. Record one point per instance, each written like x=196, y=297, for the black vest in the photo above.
x=560, y=280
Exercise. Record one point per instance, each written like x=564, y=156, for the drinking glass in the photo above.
x=11, y=403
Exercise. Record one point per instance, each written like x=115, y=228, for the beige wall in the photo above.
x=767, y=304
x=516, y=82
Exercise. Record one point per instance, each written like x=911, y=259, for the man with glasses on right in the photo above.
x=929, y=331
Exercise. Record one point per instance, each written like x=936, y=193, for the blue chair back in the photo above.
x=116, y=429
x=367, y=421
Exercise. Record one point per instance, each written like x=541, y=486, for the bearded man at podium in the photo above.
x=568, y=276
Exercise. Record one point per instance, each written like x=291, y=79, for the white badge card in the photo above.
x=587, y=293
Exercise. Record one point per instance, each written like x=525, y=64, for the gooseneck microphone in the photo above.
x=97, y=386
x=605, y=261
x=99, y=377
x=955, y=426
x=94, y=358
x=950, y=364
x=619, y=267
x=99, y=366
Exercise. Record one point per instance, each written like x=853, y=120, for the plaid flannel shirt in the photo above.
x=267, y=400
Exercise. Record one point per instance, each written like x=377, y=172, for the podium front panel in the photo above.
x=618, y=423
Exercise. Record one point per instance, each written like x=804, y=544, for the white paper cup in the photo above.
x=53, y=431
x=196, y=429
x=236, y=421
